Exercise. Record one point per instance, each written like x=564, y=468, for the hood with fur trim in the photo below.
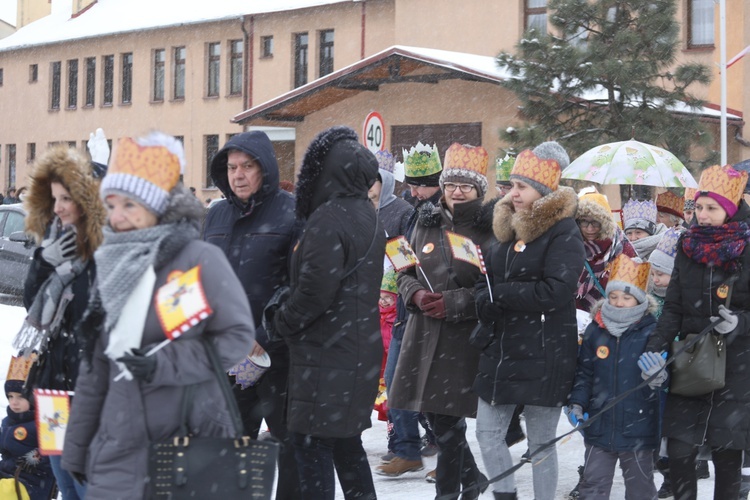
x=528, y=225
x=593, y=211
x=71, y=169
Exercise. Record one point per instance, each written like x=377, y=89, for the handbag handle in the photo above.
x=226, y=390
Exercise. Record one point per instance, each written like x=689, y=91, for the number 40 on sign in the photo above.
x=373, y=134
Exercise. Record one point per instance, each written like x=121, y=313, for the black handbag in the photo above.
x=212, y=467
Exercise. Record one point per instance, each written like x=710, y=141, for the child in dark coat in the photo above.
x=19, y=445
x=607, y=367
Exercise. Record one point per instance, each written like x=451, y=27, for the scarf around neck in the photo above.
x=719, y=246
x=619, y=319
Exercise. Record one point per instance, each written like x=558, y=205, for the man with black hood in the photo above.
x=255, y=227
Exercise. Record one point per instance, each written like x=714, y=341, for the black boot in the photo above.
x=505, y=496
x=701, y=469
x=574, y=492
x=666, y=487
x=476, y=492
x=515, y=431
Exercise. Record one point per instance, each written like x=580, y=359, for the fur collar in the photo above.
x=529, y=225
x=430, y=215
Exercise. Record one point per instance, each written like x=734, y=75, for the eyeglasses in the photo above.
x=586, y=223
x=465, y=188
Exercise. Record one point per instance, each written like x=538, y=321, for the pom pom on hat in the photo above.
x=542, y=167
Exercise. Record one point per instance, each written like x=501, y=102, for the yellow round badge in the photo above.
x=602, y=352
x=20, y=433
x=428, y=248
x=520, y=246
x=722, y=291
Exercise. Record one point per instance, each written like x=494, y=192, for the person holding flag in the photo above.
x=529, y=356
x=155, y=279
x=437, y=365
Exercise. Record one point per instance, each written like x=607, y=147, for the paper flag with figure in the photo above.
x=466, y=250
x=52, y=411
x=181, y=303
x=400, y=253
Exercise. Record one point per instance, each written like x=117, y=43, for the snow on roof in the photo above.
x=107, y=17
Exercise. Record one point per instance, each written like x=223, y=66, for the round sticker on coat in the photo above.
x=602, y=352
x=20, y=433
x=722, y=291
x=428, y=248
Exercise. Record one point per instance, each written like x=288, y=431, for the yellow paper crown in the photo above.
x=530, y=166
x=19, y=368
x=690, y=194
x=670, y=203
x=466, y=157
x=155, y=164
x=626, y=270
x=724, y=181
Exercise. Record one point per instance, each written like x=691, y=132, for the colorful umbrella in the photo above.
x=630, y=162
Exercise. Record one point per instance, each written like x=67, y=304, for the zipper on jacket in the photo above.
x=615, y=391
x=543, y=320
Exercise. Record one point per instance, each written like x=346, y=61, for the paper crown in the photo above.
x=503, y=167
x=626, y=270
x=385, y=160
x=421, y=160
x=689, y=199
x=19, y=368
x=668, y=242
x=466, y=162
x=389, y=282
x=635, y=211
x=724, y=181
x=147, y=173
x=670, y=203
x=529, y=167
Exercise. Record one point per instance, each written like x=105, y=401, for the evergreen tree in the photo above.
x=606, y=73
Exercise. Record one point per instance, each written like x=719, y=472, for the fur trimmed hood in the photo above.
x=529, y=225
x=593, y=211
x=71, y=169
x=431, y=215
x=335, y=165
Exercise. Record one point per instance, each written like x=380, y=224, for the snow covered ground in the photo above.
x=410, y=486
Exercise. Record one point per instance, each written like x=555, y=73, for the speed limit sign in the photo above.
x=373, y=134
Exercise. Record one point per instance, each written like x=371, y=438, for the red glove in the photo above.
x=422, y=297
x=436, y=308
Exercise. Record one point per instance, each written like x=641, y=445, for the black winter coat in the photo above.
x=532, y=357
x=256, y=237
x=720, y=418
x=331, y=320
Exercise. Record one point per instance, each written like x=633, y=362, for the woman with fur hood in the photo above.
x=529, y=342
x=436, y=366
x=65, y=216
x=124, y=398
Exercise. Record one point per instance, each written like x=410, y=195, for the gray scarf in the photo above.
x=645, y=246
x=123, y=258
x=659, y=291
x=619, y=319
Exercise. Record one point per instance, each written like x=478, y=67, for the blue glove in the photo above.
x=730, y=321
x=651, y=363
x=575, y=414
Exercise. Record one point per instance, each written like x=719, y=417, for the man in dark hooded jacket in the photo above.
x=331, y=320
x=255, y=227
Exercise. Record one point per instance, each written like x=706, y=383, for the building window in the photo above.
x=266, y=47
x=325, y=58
x=1, y=76
x=30, y=152
x=211, y=146
x=33, y=73
x=536, y=15
x=127, y=78
x=90, y=81
x=72, y=83
x=55, y=69
x=214, y=67
x=109, y=80
x=236, y=51
x=300, y=59
x=179, y=73
x=160, y=58
x=11, y=154
x=701, y=23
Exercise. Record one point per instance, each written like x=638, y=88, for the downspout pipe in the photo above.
x=247, y=74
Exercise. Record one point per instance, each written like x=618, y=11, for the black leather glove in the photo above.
x=142, y=367
x=487, y=312
x=79, y=477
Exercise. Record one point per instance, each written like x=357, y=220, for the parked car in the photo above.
x=16, y=249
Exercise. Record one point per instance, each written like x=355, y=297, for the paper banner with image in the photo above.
x=52, y=412
x=181, y=303
x=466, y=250
x=401, y=254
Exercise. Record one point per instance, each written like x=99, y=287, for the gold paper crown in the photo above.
x=155, y=164
x=530, y=166
x=670, y=203
x=626, y=270
x=466, y=157
x=724, y=181
x=19, y=368
x=690, y=194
